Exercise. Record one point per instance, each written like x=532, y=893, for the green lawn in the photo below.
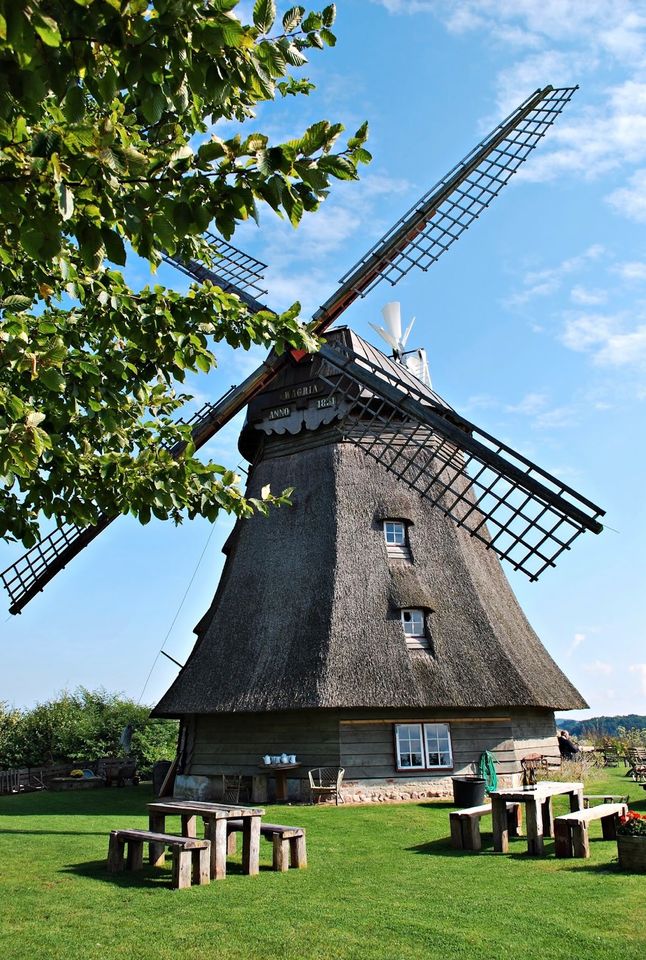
x=382, y=882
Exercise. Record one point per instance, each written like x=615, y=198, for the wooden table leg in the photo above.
x=281, y=785
x=157, y=851
x=189, y=825
x=534, y=827
x=218, y=838
x=548, y=817
x=500, y=825
x=576, y=800
x=250, y=845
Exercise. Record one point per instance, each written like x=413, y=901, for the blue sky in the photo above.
x=534, y=323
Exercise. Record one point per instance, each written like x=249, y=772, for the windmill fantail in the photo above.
x=413, y=360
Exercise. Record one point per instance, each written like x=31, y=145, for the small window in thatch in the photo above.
x=414, y=624
x=423, y=746
x=396, y=537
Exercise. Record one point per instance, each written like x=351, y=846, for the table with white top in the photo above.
x=538, y=807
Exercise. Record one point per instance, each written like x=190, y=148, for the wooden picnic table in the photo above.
x=538, y=806
x=215, y=816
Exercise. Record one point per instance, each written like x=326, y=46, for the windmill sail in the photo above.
x=418, y=239
x=515, y=508
x=233, y=270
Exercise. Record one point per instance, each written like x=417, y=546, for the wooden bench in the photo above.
x=187, y=852
x=605, y=797
x=289, y=843
x=571, y=837
x=465, y=825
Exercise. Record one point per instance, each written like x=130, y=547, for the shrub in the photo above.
x=82, y=727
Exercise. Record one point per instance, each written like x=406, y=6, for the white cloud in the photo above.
x=632, y=270
x=599, y=666
x=608, y=337
x=585, y=330
x=640, y=670
x=541, y=283
x=585, y=297
x=530, y=404
x=577, y=640
x=631, y=200
x=624, y=349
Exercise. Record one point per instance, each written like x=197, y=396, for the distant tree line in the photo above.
x=600, y=727
x=81, y=727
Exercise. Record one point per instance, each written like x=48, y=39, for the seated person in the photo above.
x=566, y=747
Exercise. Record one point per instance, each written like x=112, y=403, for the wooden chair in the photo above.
x=326, y=782
x=231, y=788
x=637, y=764
x=532, y=764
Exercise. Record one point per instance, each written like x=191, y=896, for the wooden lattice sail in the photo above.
x=532, y=517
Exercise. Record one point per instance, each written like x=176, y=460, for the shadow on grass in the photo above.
x=148, y=877
x=56, y=833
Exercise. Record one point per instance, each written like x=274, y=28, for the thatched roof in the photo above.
x=306, y=612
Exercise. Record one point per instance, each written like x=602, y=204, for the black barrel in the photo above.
x=468, y=791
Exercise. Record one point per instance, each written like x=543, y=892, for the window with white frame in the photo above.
x=396, y=537
x=395, y=532
x=423, y=746
x=413, y=622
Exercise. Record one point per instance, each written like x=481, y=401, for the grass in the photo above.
x=383, y=883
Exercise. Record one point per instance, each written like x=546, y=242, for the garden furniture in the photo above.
x=571, y=830
x=538, y=805
x=326, y=782
x=465, y=825
x=190, y=855
x=288, y=842
x=215, y=816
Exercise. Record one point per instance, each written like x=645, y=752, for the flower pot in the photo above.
x=632, y=853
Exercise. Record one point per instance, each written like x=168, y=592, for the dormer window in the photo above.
x=414, y=626
x=395, y=532
x=396, y=537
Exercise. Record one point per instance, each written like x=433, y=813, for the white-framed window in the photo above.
x=413, y=622
x=395, y=533
x=396, y=537
x=437, y=739
x=423, y=746
x=410, y=746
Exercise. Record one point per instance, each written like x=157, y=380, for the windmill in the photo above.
x=522, y=513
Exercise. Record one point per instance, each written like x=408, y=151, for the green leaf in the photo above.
x=292, y=19
x=153, y=104
x=339, y=167
x=16, y=302
x=74, y=104
x=53, y=380
x=47, y=30
x=114, y=248
x=65, y=200
x=328, y=15
x=264, y=15
x=294, y=56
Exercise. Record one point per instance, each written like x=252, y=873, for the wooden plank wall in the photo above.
x=236, y=743
x=535, y=732
x=362, y=741
x=368, y=750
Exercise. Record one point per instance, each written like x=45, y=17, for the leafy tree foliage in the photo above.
x=81, y=727
x=107, y=109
